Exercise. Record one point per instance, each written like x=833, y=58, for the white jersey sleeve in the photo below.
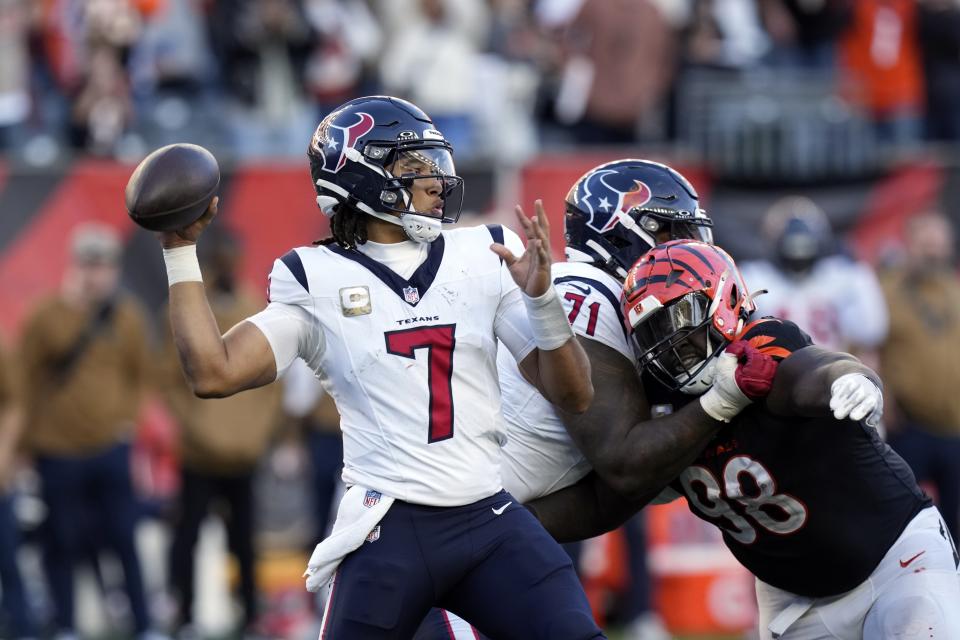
x=287, y=322
x=511, y=325
x=591, y=299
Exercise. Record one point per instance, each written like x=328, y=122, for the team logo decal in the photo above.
x=332, y=140
x=372, y=498
x=608, y=194
x=411, y=295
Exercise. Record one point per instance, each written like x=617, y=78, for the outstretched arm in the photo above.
x=215, y=365
x=632, y=453
x=805, y=386
x=558, y=367
x=636, y=455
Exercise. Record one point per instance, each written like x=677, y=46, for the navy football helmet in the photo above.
x=368, y=154
x=800, y=234
x=620, y=210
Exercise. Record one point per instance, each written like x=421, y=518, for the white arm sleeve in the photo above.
x=511, y=325
x=291, y=332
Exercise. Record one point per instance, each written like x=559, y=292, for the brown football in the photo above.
x=172, y=187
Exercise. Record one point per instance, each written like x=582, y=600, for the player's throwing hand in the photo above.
x=189, y=234
x=531, y=271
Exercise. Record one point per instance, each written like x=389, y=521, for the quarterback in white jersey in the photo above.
x=401, y=322
x=428, y=328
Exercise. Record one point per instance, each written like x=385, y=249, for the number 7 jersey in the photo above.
x=410, y=363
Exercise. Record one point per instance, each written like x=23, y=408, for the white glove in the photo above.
x=855, y=396
x=724, y=400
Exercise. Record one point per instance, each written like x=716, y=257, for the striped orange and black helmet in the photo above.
x=684, y=301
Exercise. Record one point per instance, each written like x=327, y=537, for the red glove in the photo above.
x=755, y=370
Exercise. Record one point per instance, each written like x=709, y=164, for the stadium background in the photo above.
x=853, y=104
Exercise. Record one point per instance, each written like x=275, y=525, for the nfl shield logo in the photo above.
x=374, y=535
x=411, y=295
x=372, y=498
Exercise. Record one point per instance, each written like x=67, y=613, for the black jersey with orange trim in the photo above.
x=808, y=505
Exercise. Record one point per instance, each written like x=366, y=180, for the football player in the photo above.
x=615, y=213
x=850, y=315
x=400, y=321
x=842, y=541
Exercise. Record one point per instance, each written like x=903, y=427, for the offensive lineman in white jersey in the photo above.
x=616, y=212
x=401, y=322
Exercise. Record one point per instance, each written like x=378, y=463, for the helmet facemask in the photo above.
x=420, y=190
x=684, y=301
x=677, y=343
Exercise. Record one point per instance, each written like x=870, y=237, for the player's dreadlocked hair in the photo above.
x=348, y=227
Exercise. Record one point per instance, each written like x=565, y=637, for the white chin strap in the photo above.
x=418, y=228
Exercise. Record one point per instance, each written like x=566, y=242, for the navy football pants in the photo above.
x=501, y=572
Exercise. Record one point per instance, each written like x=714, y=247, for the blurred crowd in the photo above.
x=99, y=434
x=502, y=78
x=102, y=442
x=97, y=392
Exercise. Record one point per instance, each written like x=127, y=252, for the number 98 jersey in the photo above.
x=410, y=362
x=808, y=505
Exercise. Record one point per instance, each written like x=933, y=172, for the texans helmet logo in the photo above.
x=332, y=140
x=608, y=194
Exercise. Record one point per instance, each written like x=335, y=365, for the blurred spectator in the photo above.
x=431, y=60
x=102, y=110
x=305, y=401
x=620, y=61
x=511, y=79
x=834, y=299
x=14, y=69
x=173, y=52
x=920, y=365
x=84, y=357
x=222, y=441
x=940, y=41
x=730, y=33
x=348, y=40
x=816, y=27
x=881, y=54
x=18, y=621
x=263, y=47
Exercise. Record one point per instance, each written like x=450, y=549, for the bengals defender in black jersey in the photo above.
x=830, y=520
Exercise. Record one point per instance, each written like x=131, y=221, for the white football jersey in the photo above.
x=839, y=303
x=411, y=363
x=540, y=457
